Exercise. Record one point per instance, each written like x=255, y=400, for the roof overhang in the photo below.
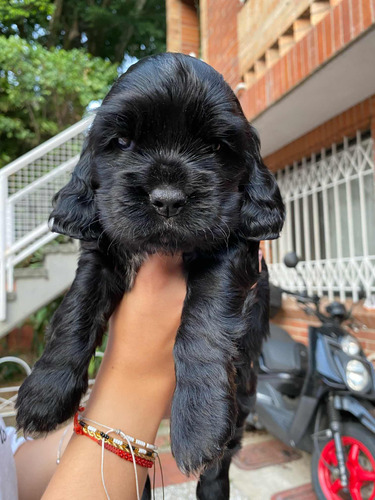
x=342, y=82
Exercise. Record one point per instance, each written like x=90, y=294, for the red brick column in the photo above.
x=182, y=27
x=220, y=32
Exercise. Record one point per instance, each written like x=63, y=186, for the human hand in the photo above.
x=143, y=327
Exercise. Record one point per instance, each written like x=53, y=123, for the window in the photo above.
x=330, y=224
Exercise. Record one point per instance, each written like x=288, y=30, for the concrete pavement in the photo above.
x=265, y=469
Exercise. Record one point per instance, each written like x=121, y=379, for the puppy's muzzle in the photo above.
x=168, y=201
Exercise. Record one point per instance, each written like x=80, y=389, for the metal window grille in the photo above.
x=330, y=222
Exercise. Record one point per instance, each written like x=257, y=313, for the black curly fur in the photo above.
x=188, y=131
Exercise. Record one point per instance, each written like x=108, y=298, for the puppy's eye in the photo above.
x=216, y=146
x=125, y=143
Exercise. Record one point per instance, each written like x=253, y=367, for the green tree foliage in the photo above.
x=44, y=90
x=57, y=56
x=105, y=28
x=25, y=14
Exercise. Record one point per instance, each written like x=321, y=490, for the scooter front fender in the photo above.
x=356, y=408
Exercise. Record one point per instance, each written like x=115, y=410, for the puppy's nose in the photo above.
x=167, y=200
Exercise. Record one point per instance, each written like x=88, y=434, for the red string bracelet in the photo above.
x=80, y=431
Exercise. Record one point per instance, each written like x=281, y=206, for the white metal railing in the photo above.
x=8, y=395
x=27, y=186
x=330, y=222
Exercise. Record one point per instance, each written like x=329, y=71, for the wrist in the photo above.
x=125, y=394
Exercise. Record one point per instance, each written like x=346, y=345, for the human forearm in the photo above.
x=118, y=400
x=134, y=386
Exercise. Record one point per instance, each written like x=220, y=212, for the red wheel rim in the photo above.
x=359, y=477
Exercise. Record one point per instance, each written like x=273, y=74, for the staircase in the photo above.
x=36, y=287
x=26, y=189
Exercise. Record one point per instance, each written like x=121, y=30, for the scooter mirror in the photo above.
x=291, y=259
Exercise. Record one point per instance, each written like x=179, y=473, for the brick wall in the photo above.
x=340, y=26
x=234, y=37
x=296, y=322
x=260, y=23
x=219, y=37
x=18, y=341
x=182, y=27
x=218, y=33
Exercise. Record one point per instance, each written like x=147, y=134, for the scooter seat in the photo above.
x=281, y=353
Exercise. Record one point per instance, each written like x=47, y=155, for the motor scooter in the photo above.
x=321, y=399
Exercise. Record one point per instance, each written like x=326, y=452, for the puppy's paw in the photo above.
x=48, y=397
x=201, y=426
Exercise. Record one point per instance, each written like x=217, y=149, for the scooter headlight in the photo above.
x=350, y=345
x=357, y=375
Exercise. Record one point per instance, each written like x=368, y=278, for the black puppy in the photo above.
x=170, y=164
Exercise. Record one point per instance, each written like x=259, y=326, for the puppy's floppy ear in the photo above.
x=75, y=212
x=263, y=211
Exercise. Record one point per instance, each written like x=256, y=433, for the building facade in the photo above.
x=304, y=73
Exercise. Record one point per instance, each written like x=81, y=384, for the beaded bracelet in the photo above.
x=143, y=462
x=129, y=450
x=138, y=442
x=116, y=446
x=117, y=443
